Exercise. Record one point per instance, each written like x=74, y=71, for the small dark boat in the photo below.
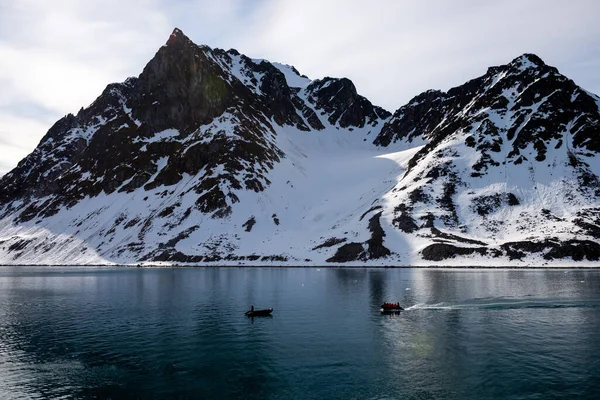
x=391, y=307
x=259, y=313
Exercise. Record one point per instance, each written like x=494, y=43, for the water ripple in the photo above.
x=182, y=333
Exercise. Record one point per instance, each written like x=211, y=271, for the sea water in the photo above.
x=181, y=333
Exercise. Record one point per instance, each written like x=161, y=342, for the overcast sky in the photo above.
x=57, y=56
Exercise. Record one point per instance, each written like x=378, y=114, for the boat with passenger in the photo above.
x=258, y=313
x=391, y=307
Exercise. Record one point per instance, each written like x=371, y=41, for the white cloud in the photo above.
x=14, y=147
x=58, y=56
x=395, y=50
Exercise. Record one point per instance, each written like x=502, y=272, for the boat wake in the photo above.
x=508, y=304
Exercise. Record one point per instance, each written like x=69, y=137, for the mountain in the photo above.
x=209, y=156
x=509, y=166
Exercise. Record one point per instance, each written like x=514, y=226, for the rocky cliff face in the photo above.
x=210, y=156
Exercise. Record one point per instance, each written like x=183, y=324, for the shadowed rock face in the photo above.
x=422, y=114
x=339, y=99
x=182, y=87
x=199, y=129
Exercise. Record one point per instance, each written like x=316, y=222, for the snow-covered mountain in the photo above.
x=212, y=157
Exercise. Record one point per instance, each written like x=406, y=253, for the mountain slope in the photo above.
x=155, y=158
x=509, y=167
x=210, y=156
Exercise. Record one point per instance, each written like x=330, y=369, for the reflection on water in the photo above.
x=181, y=333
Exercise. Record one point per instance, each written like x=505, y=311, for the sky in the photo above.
x=57, y=56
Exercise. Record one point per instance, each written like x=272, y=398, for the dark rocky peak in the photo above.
x=518, y=74
x=339, y=99
x=185, y=86
x=539, y=105
x=512, y=108
x=182, y=87
x=65, y=143
x=294, y=70
x=110, y=103
x=278, y=96
x=524, y=80
x=35, y=172
x=529, y=61
x=410, y=121
x=341, y=89
x=265, y=84
x=425, y=98
x=179, y=39
x=524, y=66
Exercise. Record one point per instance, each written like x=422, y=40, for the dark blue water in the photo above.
x=182, y=333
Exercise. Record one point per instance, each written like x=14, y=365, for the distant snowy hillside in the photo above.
x=212, y=157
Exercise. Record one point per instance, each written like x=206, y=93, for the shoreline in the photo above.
x=337, y=266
